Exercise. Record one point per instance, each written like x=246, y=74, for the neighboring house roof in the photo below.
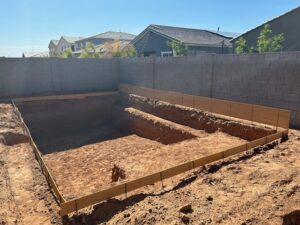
x=111, y=35
x=53, y=42
x=35, y=54
x=226, y=34
x=188, y=36
x=71, y=39
x=269, y=21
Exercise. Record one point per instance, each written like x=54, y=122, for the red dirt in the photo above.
x=24, y=192
x=260, y=186
x=87, y=169
x=155, y=128
x=198, y=119
x=11, y=132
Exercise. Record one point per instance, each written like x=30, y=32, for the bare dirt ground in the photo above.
x=24, y=194
x=256, y=187
x=88, y=169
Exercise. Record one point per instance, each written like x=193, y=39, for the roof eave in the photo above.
x=207, y=45
x=288, y=12
x=141, y=35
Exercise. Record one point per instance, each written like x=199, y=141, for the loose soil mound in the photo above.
x=11, y=132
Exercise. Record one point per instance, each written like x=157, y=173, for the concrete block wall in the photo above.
x=137, y=71
x=190, y=75
x=265, y=79
x=38, y=76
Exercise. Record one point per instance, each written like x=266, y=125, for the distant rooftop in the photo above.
x=269, y=21
x=192, y=36
x=72, y=39
x=114, y=36
x=226, y=34
x=55, y=41
x=35, y=54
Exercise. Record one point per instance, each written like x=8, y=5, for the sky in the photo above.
x=29, y=25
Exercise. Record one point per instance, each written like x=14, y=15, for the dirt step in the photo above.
x=199, y=120
x=155, y=128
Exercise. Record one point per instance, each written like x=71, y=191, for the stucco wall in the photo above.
x=35, y=76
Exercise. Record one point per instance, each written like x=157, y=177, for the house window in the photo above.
x=166, y=54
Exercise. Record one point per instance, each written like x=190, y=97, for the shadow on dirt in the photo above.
x=293, y=218
x=104, y=211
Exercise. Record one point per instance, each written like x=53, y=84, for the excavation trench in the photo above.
x=83, y=139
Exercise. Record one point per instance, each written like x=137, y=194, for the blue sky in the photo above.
x=28, y=25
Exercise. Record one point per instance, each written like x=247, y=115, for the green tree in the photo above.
x=90, y=52
x=129, y=51
x=178, y=47
x=267, y=42
x=241, y=46
x=67, y=53
x=115, y=49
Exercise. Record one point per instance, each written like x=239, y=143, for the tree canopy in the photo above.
x=178, y=47
x=266, y=42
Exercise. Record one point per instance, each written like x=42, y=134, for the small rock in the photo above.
x=185, y=219
x=209, y=198
x=117, y=173
x=186, y=209
x=126, y=215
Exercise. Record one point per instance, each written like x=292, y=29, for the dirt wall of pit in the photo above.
x=195, y=118
x=57, y=117
x=152, y=127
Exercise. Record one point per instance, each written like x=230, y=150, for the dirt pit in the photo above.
x=82, y=146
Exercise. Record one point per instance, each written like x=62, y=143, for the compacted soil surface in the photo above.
x=88, y=169
x=256, y=187
x=24, y=193
x=261, y=186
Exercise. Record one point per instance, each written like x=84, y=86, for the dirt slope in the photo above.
x=261, y=187
x=24, y=194
x=252, y=188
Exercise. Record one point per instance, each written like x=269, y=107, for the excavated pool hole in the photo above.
x=83, y=141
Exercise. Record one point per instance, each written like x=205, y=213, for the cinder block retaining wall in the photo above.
x=38, y=76
x=264, y=79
